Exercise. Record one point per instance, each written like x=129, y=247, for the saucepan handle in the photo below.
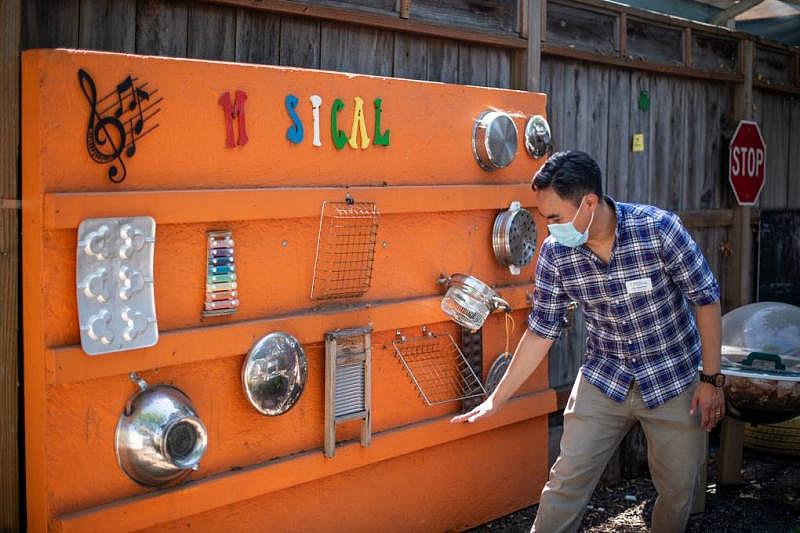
x=499, y=303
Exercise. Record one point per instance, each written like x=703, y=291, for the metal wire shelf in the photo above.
x=438, y=368
x=345, y=250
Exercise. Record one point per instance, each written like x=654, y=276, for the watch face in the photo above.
x=719, y=380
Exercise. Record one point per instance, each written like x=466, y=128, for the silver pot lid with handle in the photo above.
x=494, y=140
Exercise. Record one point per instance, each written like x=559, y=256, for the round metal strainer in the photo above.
x=514, y=238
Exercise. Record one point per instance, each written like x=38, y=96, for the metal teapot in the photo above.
x=159, y=436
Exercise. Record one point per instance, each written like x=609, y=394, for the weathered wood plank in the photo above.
x=619, y=146
x=347, y=48
x=47, y=24
x=793, y=195
x=640, y=120
x=553, y=86
x=597, y=102
x=772, y=115
x=258, y=38
x=472, y=64
x=495, y=15
x=161, y=28
x=108, y=25
x=211, y=32
x=697, y=187
x=569, y=93
x=498, y=68
x=718, y=105
x=305, y=34
x=410, y=57
x=666, y=158
x=443, y=60
x=11, y=15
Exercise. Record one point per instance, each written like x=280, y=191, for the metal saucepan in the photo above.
x=469, y=301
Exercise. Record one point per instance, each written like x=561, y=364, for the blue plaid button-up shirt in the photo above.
x=638, y=320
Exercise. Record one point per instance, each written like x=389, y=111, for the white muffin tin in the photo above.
x=114, y=279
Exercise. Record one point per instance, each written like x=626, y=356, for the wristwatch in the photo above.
x=718, y=379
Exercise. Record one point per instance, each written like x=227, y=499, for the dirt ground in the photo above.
x=768, y=501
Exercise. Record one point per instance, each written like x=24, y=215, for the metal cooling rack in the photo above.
x=437, y=367
x=345, y=250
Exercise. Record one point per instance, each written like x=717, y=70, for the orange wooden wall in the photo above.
x=437, y=208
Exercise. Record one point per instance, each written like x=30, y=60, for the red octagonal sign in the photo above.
x=747, y=162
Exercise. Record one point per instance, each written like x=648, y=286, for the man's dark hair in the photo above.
x=572, y=174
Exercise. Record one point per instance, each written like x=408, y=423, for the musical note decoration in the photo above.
x=118, y=120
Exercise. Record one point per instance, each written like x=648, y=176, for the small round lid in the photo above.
x=538, y=140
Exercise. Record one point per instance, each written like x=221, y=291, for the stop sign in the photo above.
x=747, y=162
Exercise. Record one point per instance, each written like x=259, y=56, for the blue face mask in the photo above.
x=566, y=233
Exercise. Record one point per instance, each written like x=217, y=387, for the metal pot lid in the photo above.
x=514, y=238
x=494, y=140
x=274, y=373
x=497, y=371
x=538, y=140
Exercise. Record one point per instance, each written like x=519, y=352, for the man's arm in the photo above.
x=709, y=398
x=709, y=324
x=529, y=353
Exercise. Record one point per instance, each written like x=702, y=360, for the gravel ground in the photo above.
x=768, y=501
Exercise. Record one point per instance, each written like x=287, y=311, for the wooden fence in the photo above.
x=597, y=59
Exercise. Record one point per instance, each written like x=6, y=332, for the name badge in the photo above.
x=639, y=285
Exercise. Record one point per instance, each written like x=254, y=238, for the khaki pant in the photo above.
x=594, y=425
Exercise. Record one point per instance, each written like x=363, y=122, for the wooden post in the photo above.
x=741, y=274
x=526, y=68
x=9, y=266
x=534, y=55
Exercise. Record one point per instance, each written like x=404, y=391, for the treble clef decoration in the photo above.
x=105, y=136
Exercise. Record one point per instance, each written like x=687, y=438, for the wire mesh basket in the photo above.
x=345, y=250
x=438, y=368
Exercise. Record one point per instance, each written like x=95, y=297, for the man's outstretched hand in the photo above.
x=486, y=409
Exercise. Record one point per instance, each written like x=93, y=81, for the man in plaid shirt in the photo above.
x=638, y=275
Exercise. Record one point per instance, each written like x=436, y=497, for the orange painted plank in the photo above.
x=430, y=126
x=68, y=364
x=225, y=489
x=67, y=210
